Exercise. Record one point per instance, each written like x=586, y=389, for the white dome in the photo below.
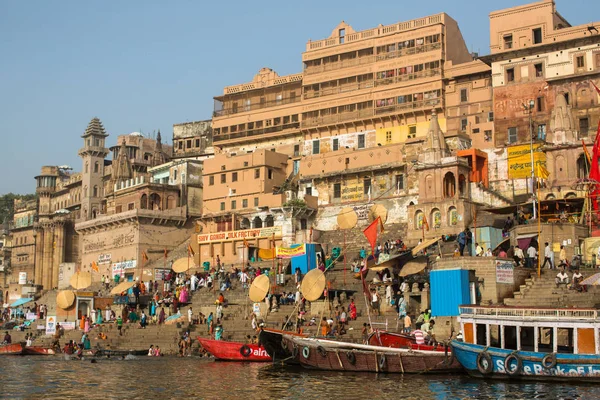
x=135, y=134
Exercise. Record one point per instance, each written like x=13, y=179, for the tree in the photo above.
x=7, y=202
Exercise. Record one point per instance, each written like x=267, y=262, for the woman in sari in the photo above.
x=183, y=297
x=401, y=308
x=161, y=316
x=82, y=323
x=352, y=310
x=86, y=325
x=152, y=308
x=99, y=319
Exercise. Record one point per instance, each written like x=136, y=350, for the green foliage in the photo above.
x=7, y=204
x=295, y=203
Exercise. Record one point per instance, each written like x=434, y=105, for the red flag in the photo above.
x=370, y=233
x=594, y=170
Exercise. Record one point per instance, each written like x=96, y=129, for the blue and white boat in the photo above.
x=529, y=343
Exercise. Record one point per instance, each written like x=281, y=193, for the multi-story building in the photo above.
x=544, y=100
x=193, y=140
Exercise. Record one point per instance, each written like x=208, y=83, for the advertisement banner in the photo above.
x=160, y=273
x=120, y=267
x=22, y=278
x=505, y=272
x=68, y=326
x=288, y=252
x=50, y=325
x=519, y=160
x=240, y=235
x=104, y=259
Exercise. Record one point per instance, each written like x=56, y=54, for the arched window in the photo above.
x=419, y=219
x=175, y=175
x=95, y=191
x=257, y=222
x=462, y=185
x=436, y=218
x=144, y=201
x=155, y=203
x=269, y=221
x=96, y=167
x=452, y=216
x=449, y=185
x=245, y=223
x=583, y=166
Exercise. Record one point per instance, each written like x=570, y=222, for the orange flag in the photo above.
x=246, y=244
x=425, y=224
x=95, y=266
x=144, y=256
x=370, y=233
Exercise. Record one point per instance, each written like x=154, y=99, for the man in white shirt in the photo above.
x=531, y=253
x=519, y=256
x=244, y=279
x=562, y=277
x=478, y=250
x=547, y=256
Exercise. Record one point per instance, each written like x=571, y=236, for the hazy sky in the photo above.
x=145, y=65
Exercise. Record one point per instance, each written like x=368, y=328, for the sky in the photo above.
x=146, y=65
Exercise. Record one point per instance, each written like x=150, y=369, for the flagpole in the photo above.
x=344, y=258
x=539, y=230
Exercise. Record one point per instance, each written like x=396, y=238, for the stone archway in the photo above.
x=144, y=201
x=257, y=222
x=269, y=221
x=449, y=185
x=155, y=202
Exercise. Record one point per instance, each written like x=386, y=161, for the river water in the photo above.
x=53, y=377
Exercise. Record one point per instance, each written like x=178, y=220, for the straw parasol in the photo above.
x=121, y=287
x=313, y=285
x=81, y=280
x=65, y=299
x=592, y=280
x=425, y=245
x=181, y=265
x=377, y=211
x=347, y=218
x=259, y=288
x=413, y=267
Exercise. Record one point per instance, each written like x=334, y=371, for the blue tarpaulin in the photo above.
x=20, y=302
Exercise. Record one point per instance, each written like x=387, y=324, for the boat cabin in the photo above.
x=546, y=330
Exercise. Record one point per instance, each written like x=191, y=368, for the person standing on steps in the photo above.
x=190, y=315
x=547, y=256
x=120, y=325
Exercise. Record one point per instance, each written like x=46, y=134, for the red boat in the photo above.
x=401, y=341
x=234, y=351
x=38, y=351
x=11, y=349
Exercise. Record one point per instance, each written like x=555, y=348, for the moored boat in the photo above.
x=234, y=351
x=401, y=341
x=38, y=351
x=529, y=343
x=271, y=340
x=11, y=349
x=330, y=355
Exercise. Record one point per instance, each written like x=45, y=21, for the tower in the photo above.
x=92, y=155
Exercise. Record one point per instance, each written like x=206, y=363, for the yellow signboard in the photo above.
x=287, y=252
x=519, y=160
x=240, y=235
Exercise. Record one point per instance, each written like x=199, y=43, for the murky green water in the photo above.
x=186, y=378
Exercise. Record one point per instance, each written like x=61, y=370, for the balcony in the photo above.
x=409, y=51
x=428, y=73
x=256, y=106
x=338, y=89
x=257, y=132
x=317, y=69
x=177, y=214
x=407, y=107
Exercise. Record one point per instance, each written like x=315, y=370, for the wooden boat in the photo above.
x=271, y=340
x=234, y=351
x=530, y=343
x=11, y=349
x=38, y=351
x=401, y=341
x=330, y=355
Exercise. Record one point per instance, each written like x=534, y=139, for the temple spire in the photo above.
x=122, y=169
x=159, y=157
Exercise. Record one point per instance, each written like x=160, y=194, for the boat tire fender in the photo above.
x=305, y=352
x=295, y=351
x=484, y=363
x=351, y=357
x=245, y=351
x=507, y=361
x=382, y=361
x=321, y=350
x=549, y=361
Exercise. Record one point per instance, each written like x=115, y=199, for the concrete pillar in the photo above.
x=39, y=254
x=59, y=250
x=47, y=256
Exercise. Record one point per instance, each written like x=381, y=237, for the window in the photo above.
x=487, y=136
x=336, y=144
x=337, y=190
x=412, y=131
x=96, y=167
x=597, y=60
x=223, y=178
x=197, y=142
x=475, y=130
x=566, y=98
x=245, y=163
x=400, y=182
x=541, y=132
x=510, y=75
x=388, y=137
x=316, y=147
x=234, y=177
x=308, y=190
x=269, y=173
x=118, y=209
x=95, y=191
x=512, y=134
x=256, y=202
x=342, y=34
x=256, y=173
x=130, y=206
x=189, y=144
x=580, y=61
x=584, y=126
x=233, y=204
x=223, y=167
x=245, y=203
x=222, y=206
x=477, y=119
x=539, y=70
x=180, y=145
x=303, y=224
x=361, y=141
x=211, y=180
x=540, y=103
x=366, y=186
x=537, y=36
x=463, y=95
x=508, y=40
x=490, y=116
x=463, y=125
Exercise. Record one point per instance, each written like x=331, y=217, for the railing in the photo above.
x=256, y=106
x=403, y=107
x=255, y=132
x=408, y=77
x=338, y=89
x=315, y=69
x=529, y=313
x=408, y=51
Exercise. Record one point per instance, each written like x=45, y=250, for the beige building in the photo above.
x=193, y=140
